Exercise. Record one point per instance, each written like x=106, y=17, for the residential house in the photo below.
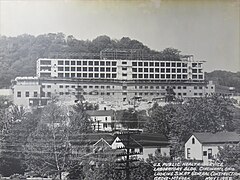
x=205, y=146
x=105, y=144
x=90, y=144
x=103, y=120
x=144, y=144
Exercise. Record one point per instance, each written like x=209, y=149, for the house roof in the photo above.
x=132, y=142
x=218, y=138
x=101, y=142
x=100, y=112
x=92, y=138
x=145, y=140
x=151, y=139
x=136, y=140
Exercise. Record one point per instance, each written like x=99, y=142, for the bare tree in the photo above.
x=49, y=151
x=48, y=148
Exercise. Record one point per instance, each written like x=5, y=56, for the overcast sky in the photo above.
x=210, y=29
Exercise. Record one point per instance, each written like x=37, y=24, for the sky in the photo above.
x=207, y=29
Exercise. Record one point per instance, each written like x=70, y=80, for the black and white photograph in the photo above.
x=119, y=89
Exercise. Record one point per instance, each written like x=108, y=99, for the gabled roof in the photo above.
x=132, y=142
x=136, y=140
x=146, y=140
x=92, y=138
x=102, y=142
x=100, y=112
x=151, y=139
x=217, y=138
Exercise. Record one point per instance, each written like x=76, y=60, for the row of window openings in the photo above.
x=163, y=94
x=165, y=64
x=103, y=69
x=108, y=75
x=108, y=93
x=124, y=93
x=90, y=69
x=90, y=75
x=95, y=119
x=167, y=70
x=96, y=93
x=124, y=87
x=85, y=93
x=85, y=87
x=104, y=125
x=162, y=64
x=179, y=76
x=35, y=94
x=114, y=63
x=163, y=76
x=162, y=87
x=90, y=63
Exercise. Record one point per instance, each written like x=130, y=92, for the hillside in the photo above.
x=18, y=55
x=225, y=78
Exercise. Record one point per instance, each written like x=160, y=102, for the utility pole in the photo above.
x=134, y=107
x=98, y=125
x=128, y=157
x=125, y=162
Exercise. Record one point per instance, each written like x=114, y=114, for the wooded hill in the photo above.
x=225, y=78
x=18, y=55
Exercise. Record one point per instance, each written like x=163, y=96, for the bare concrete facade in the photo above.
x=112, y=80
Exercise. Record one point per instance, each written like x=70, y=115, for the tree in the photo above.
x=171, y=54
x=229, y=155
x=170, y=95
x=76, y=172
x=129, y=118
x=17, y=113
x=79, y=120
x=104, y=169
x=178, y=121
x=48, y=147
x=100, y=43
x=4, y=120
x=19, y=54
x=225, y=78
x=159, y=121
x=107, y=169
x=18, y=126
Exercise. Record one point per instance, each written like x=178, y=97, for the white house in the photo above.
x=144, y=144
x=103, y=120
x=205, y=146
x=91, y=143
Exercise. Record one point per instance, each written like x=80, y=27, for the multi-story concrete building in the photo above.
x=27, y=91
x=112, y=79
x=181, y=70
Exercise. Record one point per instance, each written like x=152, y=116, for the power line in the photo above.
x=126, y=161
